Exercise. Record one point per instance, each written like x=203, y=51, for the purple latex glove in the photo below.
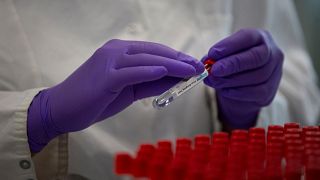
x=117, y=74
x=246, y=76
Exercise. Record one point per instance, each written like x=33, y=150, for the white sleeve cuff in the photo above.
x=15, y=156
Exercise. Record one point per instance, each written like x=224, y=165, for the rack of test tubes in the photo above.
x=288, y=152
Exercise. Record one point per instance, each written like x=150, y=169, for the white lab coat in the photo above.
x=43, y=41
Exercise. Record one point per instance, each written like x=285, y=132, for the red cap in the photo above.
x=146, y=149
x=257, y=142
x=239, y=133
x=177, y=169
x=292, y=136
x=275, y=139
x=275, y=148
x=275, y=133
x=257, y=130
x=312, y=134
x=275, y=128
x=214, y=171
x=142, y=161
x=140, y=166
x=248, y=154
x=123, y=163
x=220, y=135
x=238, y=138
x=164, y=144
x=183, y=148
x=312, y=140
x=202, y=139
x=293, y=131
x=184, y=141
x=291, y=125
x=310, y=128
x=157, y=169
x=224, y=142
x=312, y=167
x=208, y=64
x=254, y=136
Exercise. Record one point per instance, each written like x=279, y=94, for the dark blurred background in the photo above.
x=309, y=15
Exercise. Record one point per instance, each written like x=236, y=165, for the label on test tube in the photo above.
x=183, y=86
x=187, y=84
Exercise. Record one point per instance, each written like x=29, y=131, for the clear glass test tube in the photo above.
x=182, y=87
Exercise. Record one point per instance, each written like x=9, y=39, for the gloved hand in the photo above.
x=246, y=76
x=116, y=75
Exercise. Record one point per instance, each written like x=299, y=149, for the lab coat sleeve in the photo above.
x=15, y=157
x=298, y=97
x=298, y=86
x=299, y=80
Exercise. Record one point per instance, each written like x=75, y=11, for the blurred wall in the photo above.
x=309, y=14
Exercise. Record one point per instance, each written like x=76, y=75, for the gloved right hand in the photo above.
x=116, y=75
x=246, y=76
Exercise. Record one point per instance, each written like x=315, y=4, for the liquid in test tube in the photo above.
x=182, y=87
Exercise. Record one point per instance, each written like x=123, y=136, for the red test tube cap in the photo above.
x=208, y=64
x=257, y=130
x=123, y=163
x=275, y=128
x=219, y=135
x=291, y=125
x=202, y=138
x=183, y=141
x=164, y=144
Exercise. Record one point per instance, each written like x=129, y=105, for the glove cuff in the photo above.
x=237, y=115
x=39, y=123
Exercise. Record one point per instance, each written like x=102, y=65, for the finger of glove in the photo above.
x=174, y=68
x=123, y=100
x=135, y=75
x=139, y=91
x=138, y=47
x=250, y=59
x=154, y=88
x=261, y=94
x=142, y=47
x=235, y=43
x=247, y=78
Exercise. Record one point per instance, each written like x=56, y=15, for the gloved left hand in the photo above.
x=116, y=75
x=246, y=76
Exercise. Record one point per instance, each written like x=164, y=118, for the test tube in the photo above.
x=182, y=87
